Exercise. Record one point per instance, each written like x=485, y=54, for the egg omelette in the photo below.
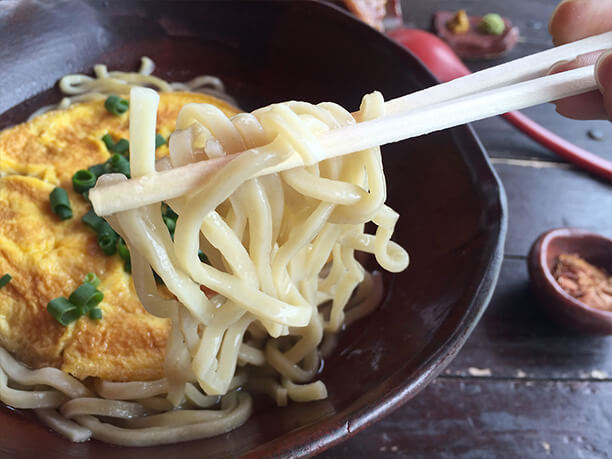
x=48, y=258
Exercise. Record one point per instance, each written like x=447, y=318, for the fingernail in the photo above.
x=556, y=67
x=603, y=71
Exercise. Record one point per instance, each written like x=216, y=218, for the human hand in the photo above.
x=573, y=20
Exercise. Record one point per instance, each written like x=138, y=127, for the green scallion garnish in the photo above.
x=86, y=297
x=93, y=221
x=108, y=242
x=170, y=224
x=91, y=278
x=168, y=212
x=83, y=301
x=60, y=204
x=159, y=140
x=97, y=169
x=83, y=180
x=95, y=314
x=116, y=105
x=202, y=256
x=124, y=253
x=5, y=280
x=121, y=147
x=169, y=217
x=107, y=238
x=63, y=311
x=119, y=163
x=108, y=141
x=122, y=250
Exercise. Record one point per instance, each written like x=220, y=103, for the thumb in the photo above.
x=603, y=75
x=584, y=106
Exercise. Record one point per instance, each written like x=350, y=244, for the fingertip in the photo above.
x=558, y=67
x=589, y=106
x=576, y=19
x=603, y=71
x=557, y=21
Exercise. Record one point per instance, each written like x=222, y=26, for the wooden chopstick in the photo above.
x=450, y=104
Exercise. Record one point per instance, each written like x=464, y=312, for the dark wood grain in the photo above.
x=516, y=338
x=493, y=419
x=504, y=141
x=541, y=198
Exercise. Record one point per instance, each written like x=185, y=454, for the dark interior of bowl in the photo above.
x=451, y=204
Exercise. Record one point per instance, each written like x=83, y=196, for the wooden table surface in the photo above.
x=522, y=386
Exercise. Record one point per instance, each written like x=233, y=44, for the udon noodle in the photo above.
x=281, y=263
x=81, y=88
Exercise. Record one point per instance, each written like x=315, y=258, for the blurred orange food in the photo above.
x=371, y=12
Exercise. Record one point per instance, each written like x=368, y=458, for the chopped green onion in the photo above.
x=86, y=297
x=119, y=163
x=97, y=169
x=168, y=212
x=116, y=163
x=83, y=180
x=171, y=225
x=159, y=140
x=83, y=301
x=105, y=228
x=108, y=141
x=63, y=311
x=107, y=238
x=98, y=224
x=91, y=278
x=5, y=280
x=202, y=256
x=93, y=221
x=121, y=147
x=123, y=250
x=95, y=314
x=60, y=204
x=124, y=253
x=169, y=217
x=108, y=242
x=116, y=105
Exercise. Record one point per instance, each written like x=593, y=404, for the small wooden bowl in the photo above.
x=564, y=308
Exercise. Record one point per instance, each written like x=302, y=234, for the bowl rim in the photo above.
x=543, y=245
